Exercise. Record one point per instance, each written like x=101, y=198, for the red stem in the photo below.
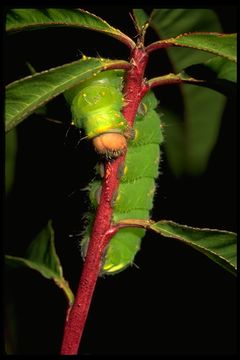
x=103, y=231
x=162, y=44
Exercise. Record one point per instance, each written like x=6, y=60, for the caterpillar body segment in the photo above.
x=96, y=107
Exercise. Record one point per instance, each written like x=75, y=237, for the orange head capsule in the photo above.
x=111, y=145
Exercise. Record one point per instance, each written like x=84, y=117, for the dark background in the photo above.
x=175, y=300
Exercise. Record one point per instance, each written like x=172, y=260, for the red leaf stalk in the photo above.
x=103, y=230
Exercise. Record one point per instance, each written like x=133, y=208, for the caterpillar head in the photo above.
x=111, y=144
x=96, y=106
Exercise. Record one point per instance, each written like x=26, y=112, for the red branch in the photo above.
x=167, y=81
x=162, y=44
x=103, y=230
x=170, y=79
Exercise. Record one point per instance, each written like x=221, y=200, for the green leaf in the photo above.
x=214, y=69
x=195, y=131
x=219, y=245
x=24, y=96
x=217, y=73
x=43, y=109
x=224, y=45
x=42, y=257
x=141, y=19
x=223, y=69
x=172, y=22
x=191, y=137
x=10, y=159
x=28, y=19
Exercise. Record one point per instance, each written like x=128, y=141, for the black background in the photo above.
x=175, y=301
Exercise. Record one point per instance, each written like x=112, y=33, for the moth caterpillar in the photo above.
x=134, y=199
x=96, y=106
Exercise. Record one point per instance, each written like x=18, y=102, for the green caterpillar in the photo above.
x=134, y=199
x=96, y=106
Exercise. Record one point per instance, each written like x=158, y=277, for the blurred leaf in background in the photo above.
x=191, y=136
